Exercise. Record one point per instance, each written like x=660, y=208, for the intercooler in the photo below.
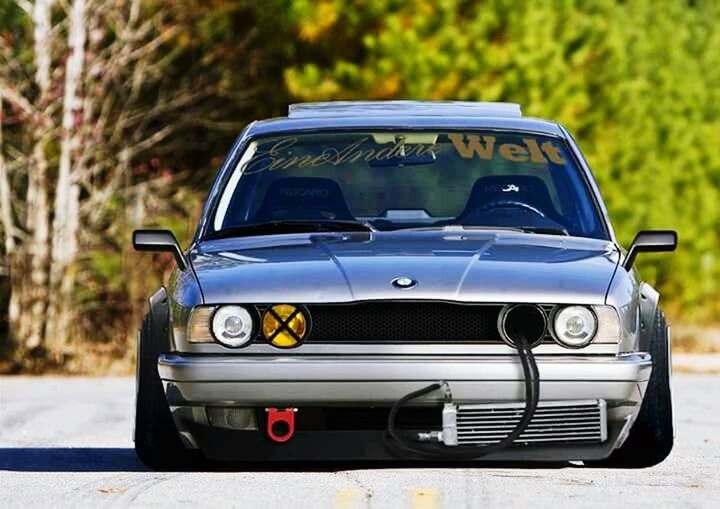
x=554, y=422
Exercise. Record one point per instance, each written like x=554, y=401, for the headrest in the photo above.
x=303, y=198
x=523, y=188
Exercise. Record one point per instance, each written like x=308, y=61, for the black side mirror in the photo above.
x=650, y=241
x=159, y=240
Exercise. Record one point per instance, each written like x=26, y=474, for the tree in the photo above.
x=637, y=82
x=114, y=114
x=98, y=101
x=108, y=109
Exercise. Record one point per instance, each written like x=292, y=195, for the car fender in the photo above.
x=159, y=311
x=649, y=299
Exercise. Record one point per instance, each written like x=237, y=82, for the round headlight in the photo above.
x=575, y=326
x=284, y=325
x=232, y=325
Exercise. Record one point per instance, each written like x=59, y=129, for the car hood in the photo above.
x=469, y=266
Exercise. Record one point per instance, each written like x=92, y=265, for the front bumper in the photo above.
x=193, y=382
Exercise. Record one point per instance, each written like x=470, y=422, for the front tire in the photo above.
x=157, y=442
x=651, y=437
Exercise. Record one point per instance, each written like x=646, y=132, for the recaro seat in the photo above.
x=501, y=188
x=297, y=198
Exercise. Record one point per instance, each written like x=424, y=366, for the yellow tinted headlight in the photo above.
x=284, y=325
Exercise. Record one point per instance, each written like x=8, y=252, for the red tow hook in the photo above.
x=281, y=424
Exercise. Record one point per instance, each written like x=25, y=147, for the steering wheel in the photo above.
x=303, y=214
x=510, y=203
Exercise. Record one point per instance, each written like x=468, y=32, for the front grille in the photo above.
x=389, y=322
x=554, y=422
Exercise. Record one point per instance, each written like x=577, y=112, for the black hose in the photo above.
x=532, y=397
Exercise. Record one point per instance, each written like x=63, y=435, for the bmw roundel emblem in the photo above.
x=403, y=282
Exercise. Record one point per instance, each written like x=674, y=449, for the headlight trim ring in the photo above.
x=552, y=328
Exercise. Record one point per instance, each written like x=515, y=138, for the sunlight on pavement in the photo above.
x=424, y=498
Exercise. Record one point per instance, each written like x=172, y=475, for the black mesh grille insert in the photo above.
x=403, y=322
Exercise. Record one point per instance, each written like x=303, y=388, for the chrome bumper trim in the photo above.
x=237, y=368
x=255, y=380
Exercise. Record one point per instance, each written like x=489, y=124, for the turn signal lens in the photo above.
x=199, y=325
x=284, y=325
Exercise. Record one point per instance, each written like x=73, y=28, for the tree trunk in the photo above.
x=67, y=192
x=6, y=216
x=137, y=215
x=29, y=266
x=41, y=43
x=34, y=295
x=8, y=224
x=9, y=231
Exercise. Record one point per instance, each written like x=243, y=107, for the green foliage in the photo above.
x=637, y=82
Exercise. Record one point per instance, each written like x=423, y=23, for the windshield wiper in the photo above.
x=544, y=230
x=454, y=227
x=290, y=226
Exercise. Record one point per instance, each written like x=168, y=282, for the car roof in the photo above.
x=431, y=108
x=403, y=115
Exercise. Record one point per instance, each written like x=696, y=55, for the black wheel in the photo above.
x=157, y=442
x=651, y=437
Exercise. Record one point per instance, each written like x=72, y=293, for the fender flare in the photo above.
x=649, y=299
x=159, y=310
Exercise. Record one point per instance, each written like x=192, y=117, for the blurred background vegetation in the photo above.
x=116, y=114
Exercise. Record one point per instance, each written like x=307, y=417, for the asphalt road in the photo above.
x=66, y=442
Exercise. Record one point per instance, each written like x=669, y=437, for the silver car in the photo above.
x=404, y=281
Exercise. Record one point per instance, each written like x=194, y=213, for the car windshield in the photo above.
x=401, y=180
